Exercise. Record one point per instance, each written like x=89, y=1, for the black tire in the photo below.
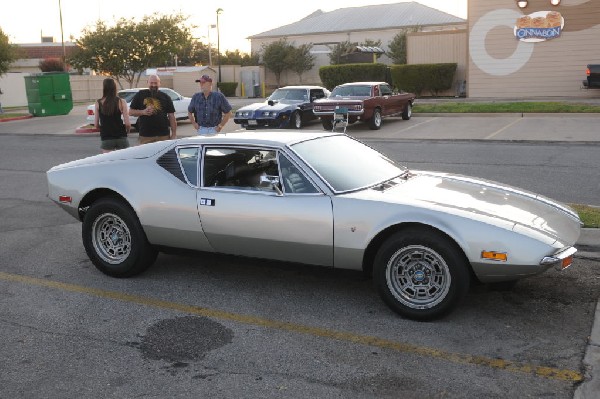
x=407, y=113
x=114, y=239
x=327, y=124
x=421, y=274
x=375, y=121
x=296, y=120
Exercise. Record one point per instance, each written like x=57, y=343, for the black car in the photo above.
x=290, y=106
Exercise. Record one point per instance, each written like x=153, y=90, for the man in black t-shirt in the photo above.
x=155, y=112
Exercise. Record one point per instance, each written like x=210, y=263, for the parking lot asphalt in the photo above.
x=582, y=128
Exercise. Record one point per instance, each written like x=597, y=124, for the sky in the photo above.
x=24, y=25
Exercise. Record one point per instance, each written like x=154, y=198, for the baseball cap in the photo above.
x=204, y=78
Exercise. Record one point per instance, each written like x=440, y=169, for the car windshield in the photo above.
x=347, y=164
x=127, y=95
x=349, y=91
x=289, y=94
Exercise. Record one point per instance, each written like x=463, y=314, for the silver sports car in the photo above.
x=315, y=198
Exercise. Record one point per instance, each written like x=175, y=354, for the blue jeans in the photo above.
x=202, y=130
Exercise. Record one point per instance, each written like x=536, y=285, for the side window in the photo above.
x=316, y=94
x=171, y=94
x=240, y=168
x=292, y=179
x=188, y=157
x=386, y=90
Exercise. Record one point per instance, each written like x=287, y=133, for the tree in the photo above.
x=8, y=53
x=335, y=57
x=301, y=60
x=397, y=47
x=276, y=57
x=194, y=53
x=237, y=58
x=126, y=50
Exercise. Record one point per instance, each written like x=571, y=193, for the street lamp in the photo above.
x=62, y=36
x=219, y=11
x=212, y=26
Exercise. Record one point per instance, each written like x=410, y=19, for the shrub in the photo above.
x=333, y=75
x=227, y=88
x=417, y=78
x=52, y=65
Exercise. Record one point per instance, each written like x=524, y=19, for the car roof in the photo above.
x=302, y=87
x=364, y=83
x=270, y=137
x=136, y=89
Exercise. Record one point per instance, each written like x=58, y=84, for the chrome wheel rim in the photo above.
x=409, y=110
x=418, y=277
x=377, y=119
x=297, y=120
x=111, y=238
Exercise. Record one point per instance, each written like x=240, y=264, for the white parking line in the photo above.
x=503, y=129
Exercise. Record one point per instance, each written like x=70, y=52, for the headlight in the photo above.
x=270, y=113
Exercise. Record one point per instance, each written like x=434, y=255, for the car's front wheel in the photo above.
x=296, y=120
x=421, y=274
x=114, y=239
x=375, y=121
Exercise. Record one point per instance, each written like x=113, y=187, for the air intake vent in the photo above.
x=170, y=163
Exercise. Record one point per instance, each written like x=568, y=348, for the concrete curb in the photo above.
x=590, y=388
x=86, y=129
x=588, y=245
x=16, y=118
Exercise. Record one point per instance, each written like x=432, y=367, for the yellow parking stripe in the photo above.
x=516, y=367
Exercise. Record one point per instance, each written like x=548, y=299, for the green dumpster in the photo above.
x=49, y=93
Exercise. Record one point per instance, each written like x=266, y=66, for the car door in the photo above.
x=256, y=202
x=180, y=105
x=390, y=106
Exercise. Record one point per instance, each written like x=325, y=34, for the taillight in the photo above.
x=587, y=72
x=90, y=112
x=65, y=199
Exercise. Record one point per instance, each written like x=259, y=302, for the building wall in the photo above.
x=502, y=66
x=440, y=47
x=322, y=45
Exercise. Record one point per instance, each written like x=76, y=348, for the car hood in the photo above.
x=345, y=99
x=484, y=200
x=277, y=106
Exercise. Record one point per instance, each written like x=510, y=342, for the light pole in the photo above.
x=219, y=11
x=212, y=26
x=62, y=37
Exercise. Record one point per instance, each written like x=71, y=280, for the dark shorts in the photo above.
x=114, y=144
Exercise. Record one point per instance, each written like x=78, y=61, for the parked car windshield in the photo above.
x=127, y=95
x=289, y=94
x=347, y=164
x=349, y=91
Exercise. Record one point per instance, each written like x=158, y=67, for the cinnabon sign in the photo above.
x=539, y=26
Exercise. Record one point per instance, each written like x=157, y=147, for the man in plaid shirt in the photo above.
x=209, y=110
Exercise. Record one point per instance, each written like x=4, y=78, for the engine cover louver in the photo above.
x=170, y=163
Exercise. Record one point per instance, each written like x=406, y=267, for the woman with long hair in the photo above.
x=112, y=118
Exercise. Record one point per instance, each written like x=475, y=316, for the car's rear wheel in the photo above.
x=421, y=274
x=327, y=124
x=296, y=120
x=375, y=121
x=114, y=239
x=407, y=113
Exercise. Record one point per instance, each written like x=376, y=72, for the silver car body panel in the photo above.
x=327, y=228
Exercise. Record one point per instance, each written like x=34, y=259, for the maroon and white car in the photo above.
x=369, y=102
